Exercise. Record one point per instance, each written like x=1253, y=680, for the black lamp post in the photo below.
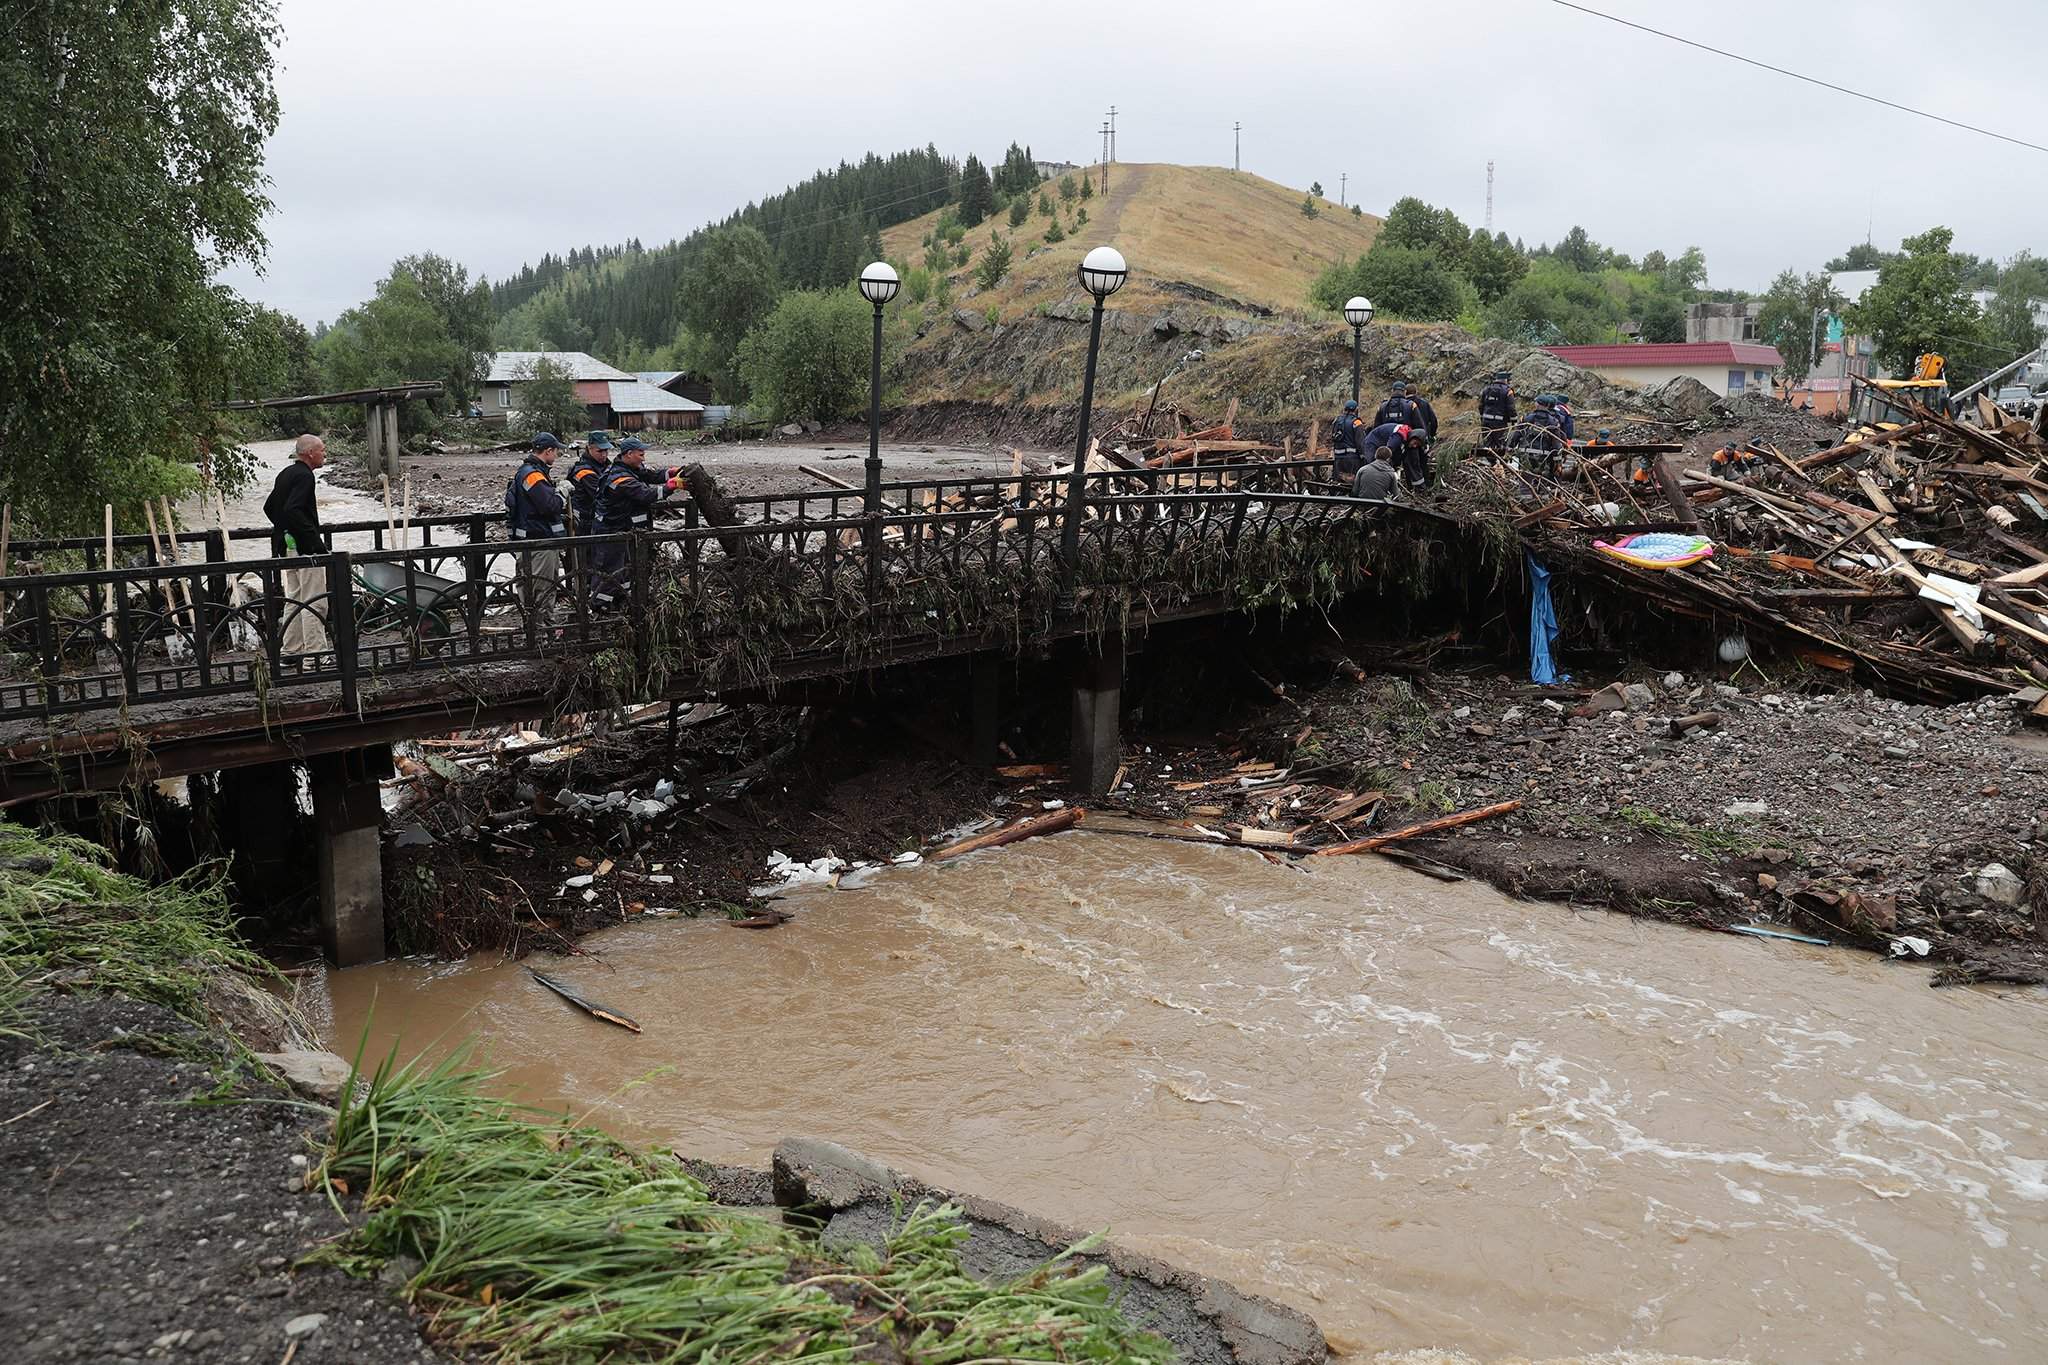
x=1357, y=312
x=878, y=284
x=1103, y=272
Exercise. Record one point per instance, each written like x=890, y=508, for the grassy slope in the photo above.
x=1235, y=235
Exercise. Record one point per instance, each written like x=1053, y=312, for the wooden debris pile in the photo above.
x=1913, y=556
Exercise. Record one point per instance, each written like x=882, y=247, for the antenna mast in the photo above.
x=1489, y=196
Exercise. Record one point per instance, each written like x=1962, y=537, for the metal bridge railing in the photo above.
x=101, y=638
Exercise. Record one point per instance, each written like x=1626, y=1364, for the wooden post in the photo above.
x=107, y=595
x=391, y=457
x=341, y=624
x=6, y=531
x=373, y=439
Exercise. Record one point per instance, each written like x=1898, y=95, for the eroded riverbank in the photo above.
x=1431, y=1117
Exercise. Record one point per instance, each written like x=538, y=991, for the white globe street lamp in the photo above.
x=1103, y=272
x=1357, y=312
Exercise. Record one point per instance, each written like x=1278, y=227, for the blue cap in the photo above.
x=599, y=440
x=631, y=443
x=1399, y=387
x=1351, y=405
x=545, y=440
x=1545, y=400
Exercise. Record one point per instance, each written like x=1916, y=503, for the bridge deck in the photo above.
x=111, y=672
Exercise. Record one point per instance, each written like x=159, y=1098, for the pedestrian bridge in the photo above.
x=166, y=658
x=172, y=658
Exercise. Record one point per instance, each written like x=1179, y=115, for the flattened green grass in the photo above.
x=63, y=908
x=536, y=1240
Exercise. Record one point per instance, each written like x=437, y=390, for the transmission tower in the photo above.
x=1112, y=132
x=1105, y=156
x=1236, y=147
x=1343, y=188
x=1489, y=196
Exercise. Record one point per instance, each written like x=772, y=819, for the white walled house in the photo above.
x=1729, y=368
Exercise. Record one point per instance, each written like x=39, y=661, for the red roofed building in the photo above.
x=1729, y=368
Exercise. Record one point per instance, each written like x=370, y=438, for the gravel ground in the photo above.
x=144, y=1226
x=1843, y=815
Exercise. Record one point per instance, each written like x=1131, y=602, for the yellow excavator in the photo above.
x=1885, y=404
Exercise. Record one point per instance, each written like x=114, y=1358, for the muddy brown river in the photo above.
x=1434, y=1118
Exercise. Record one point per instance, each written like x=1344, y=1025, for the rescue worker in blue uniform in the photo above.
x=584, y=477
x=1539, y=436
x=1399, y=408
x=1388, y=437
x=1562, y=407
x=533, y=508
x=1344, y=437
x=1496, y=413
x=1409, y=408
x=625, y=502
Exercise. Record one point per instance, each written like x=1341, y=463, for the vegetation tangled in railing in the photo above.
x=733, y=621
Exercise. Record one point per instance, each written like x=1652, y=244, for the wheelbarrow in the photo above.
x=431, y=605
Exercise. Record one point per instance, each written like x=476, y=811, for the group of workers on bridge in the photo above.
x=1393, y=447
x=612, y=489
x=1378, y=457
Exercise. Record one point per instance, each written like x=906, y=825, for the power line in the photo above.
x=1797, y=76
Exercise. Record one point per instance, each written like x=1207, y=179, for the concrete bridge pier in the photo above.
x=1097, y=744
x=347, y=812
x=985, y=712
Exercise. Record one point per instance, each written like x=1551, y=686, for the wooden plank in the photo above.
x=1967, y=635
x=1876, y=495
x=1350, y=806
x=2020, y=578
x=1050, y=823
x=1416, y=831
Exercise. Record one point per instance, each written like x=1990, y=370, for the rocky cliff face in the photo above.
x=1282, y=369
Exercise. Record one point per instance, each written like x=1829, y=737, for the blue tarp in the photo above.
x=1542, y=625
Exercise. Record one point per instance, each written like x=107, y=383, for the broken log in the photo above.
x=1052, y=822
x=591, y=1008
x=717, y=508
x=1416, y=831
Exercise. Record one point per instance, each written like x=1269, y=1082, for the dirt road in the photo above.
x=473, y=481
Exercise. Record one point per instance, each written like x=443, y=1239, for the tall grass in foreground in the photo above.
x=62, y=907
x=538, y=1240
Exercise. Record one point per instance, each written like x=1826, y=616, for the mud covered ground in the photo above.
x=1838, y=815
x=154, y=1213
x=462, y=480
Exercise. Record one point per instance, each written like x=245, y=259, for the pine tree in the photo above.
x=977, y=194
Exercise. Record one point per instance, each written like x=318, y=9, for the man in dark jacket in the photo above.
x=1538, y=438
x=1399, y=408
x=584, y=476
x=1390, y=437
x=533, y=507
x=1344, y=436
x=294, y=511
x=1411, y=409
x=625, y=502
x=1496, y=413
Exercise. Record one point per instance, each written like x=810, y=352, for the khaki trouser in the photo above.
x=305, y=629
x=540, y=581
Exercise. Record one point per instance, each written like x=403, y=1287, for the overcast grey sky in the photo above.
x=493, y=132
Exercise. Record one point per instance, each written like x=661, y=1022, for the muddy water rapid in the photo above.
x=1432, y=1117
